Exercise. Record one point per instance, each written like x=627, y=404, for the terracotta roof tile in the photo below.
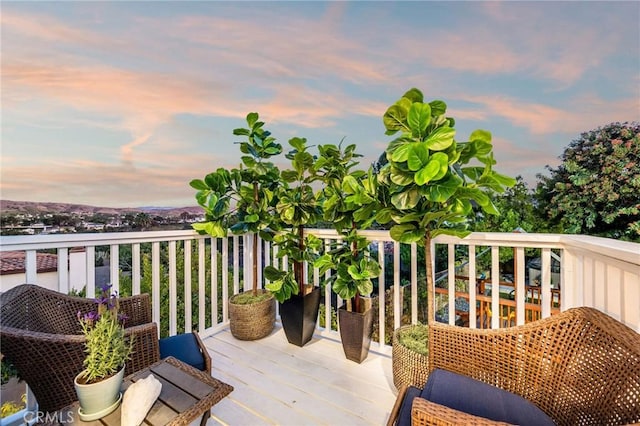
x=12, y=262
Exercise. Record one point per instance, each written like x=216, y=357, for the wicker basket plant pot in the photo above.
x=409, y=356
x=253, y=320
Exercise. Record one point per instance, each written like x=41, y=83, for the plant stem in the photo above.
x=354, y=253
x=298, y=265
x=255, y=245
x=429, y=271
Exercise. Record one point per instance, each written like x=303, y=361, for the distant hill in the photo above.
x=9, y=206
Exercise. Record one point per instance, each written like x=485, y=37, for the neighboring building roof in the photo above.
x=12, y=262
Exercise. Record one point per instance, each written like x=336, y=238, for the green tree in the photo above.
x=142, y=221
x=596, y=188
x=517, y=209
x=431, y=181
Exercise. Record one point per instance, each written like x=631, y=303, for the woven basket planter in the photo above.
x=409, y=367
x=252, y=321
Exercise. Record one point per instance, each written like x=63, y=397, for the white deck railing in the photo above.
x=596, y=272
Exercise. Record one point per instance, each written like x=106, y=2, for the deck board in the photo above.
x=276, y=383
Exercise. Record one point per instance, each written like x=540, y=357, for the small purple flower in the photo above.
x=91, y=316
x=122, y=318
x=102, y=300
x=104, y=288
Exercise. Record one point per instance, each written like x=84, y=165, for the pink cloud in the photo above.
x=49, y=30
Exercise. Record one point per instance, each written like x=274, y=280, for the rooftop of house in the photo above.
x=13, y=262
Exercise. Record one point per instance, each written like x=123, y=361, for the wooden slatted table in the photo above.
x=187, y=394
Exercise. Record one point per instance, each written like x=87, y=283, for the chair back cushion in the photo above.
x=183, y=347
x=481, y=399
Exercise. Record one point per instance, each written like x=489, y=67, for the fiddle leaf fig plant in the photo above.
x=298, y=206
x=350, y=205
x=243, y=199
x=431, y=182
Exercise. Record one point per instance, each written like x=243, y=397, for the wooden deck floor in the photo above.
x=277, y=383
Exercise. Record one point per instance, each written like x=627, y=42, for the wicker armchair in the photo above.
x=41, y=336
x=580, y=367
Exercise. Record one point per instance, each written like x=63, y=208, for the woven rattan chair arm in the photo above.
x=425, y=412
x=204, y=351
x=395, y=411
x=38, y=336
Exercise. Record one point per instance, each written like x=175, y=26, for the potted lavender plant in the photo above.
x=107, y=349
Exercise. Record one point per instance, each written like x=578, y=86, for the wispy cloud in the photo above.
x=136, y=79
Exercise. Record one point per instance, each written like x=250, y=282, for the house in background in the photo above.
x=13, y=272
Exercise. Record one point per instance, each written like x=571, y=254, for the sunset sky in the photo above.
x=121, y=104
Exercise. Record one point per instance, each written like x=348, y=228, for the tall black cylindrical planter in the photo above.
x=355, y=333
x=299, y=316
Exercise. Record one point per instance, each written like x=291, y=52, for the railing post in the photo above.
x=114, y=267
x=382, y=303
x=187, y=286
x=472, y=287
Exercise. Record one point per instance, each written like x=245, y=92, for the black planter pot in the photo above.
x=299, y=316
x=355, y=333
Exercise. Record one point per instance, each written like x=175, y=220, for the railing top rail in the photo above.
x=620, y=250
x=36, y=242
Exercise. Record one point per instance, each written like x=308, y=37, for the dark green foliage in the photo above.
x=430, y=181
x=350, y=204
x=596, y=189
x=298, y=206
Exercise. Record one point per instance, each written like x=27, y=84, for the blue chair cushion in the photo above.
x=404, y=416
x=183, y=347
x=481, y=399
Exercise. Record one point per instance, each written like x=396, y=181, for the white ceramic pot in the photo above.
x=99, y=399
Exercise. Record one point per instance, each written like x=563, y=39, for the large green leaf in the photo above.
x=248, y=161
x=397, y=231
x=419, y=118
x=491, y=208
x=441, y=139
x=473, y=172
x=365, y=213
x=504, y=180
x=401, y=152
x=438, y=108
x=394, y=119
x=483, y=148
x=198, y=184
x=473, y=194
x=383, y=215
x=414, y=95
x=212, y=228
x=418, y=156
x=289, y=176
x=241, y=132
x=440, y=191
x=427, y=173
x=406, y=218
x=406, y=233
x=480, y=135
x=298, y=143
x=252, y=117
x=406, y=199
x=443, y=160
x=350, y=185
x=400, y=177
x=273, y=274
